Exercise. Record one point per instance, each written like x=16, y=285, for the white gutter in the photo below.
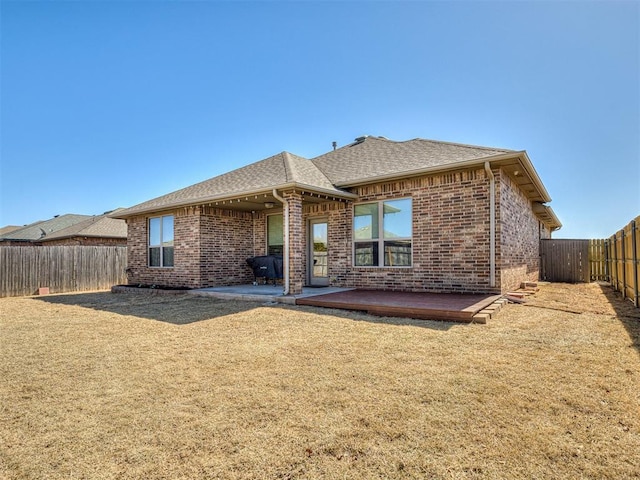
x=285, y=227
x=492, y=225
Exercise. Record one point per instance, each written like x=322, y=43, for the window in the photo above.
x=382, y=233
x=275, y=239
x=161, y=241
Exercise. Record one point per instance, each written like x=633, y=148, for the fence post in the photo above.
x=614, y=264
x=607, y=278
x=624, y=265
x=634, y=243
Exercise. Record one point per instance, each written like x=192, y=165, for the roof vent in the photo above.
x=361, y=139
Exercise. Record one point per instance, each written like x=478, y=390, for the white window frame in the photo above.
x=160, y=246
x=380, y=240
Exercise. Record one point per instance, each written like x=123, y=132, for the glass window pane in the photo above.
x=167, y=257
x=154, y=257
x=365, y=221
x=154, y=231
x=397, y=253
x=167, y=230
x=397, y=218
x=275, y=236
x=366, y=254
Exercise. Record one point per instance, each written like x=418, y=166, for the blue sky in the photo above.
x=106, y=104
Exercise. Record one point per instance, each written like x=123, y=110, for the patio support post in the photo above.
x=285, y=237
x=296, y=242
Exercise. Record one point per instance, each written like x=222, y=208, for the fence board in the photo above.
x=622, y=254
x=565, y=260
x=598, y=260
x=23, y=270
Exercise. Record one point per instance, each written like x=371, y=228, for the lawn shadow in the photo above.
x=626, y=312
x=178, y=309
x=183, y=309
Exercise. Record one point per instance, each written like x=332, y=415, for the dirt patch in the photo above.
x=134, y=386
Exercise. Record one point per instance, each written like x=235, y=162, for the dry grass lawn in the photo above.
x=103, y=385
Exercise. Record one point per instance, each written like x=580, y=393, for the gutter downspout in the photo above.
x=492, y=224
x=285, y=260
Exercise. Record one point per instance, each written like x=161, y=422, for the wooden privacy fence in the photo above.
x=564, y=260
x=621, y=257
x=615, y=260
x=24, y=270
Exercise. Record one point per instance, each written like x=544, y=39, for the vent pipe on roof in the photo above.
x=334, y=145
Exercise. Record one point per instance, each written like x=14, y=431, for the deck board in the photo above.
x=425, y=306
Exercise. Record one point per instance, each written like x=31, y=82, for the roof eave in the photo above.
x=133, y=212
x=522, y=156
x=547, y=216
x=65, y=237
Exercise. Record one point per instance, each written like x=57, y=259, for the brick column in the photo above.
x=296, y=242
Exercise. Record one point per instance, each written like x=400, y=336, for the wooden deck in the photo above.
x=426, y=306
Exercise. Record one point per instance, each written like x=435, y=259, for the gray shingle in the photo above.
x=370, y=158
x=376, y=157
x=278, y=170
x=98, y=226
x=40, y=229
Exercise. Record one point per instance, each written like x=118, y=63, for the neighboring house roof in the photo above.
x=41, y=229
x=367, y=160
x=8, y=228
x=99, y=226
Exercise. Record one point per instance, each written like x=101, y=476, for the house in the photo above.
x=98, y=230
x=8, y=229
x=31, y=234
x=417, y=215
x=69, y=229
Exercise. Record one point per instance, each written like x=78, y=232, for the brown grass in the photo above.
x=107, y=385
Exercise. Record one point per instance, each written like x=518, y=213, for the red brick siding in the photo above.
x=210, y=248
x=297, y=243
x=450, y=239
x=450, y=235
x=227, y=242
x=259, y=234
x=518, y=235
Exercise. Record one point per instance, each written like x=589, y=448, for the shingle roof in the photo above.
x=372, y=157
x=278, y=170
x=8, y=228
x=40, y=229
x=368, y=159
x=98, y=226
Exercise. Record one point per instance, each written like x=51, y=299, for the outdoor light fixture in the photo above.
x=269, y=204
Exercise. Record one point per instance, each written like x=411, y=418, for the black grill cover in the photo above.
x=267, y=266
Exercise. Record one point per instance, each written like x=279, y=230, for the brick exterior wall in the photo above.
x=518, y=236
x=450, y=247
x=450, y=236
x=297, y=243
x=210, y=248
